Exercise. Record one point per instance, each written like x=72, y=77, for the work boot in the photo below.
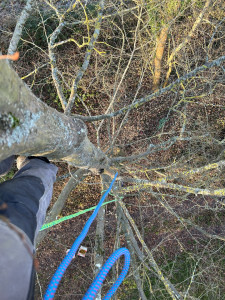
x=23, y=160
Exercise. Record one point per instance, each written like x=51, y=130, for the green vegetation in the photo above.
x=185, y=271
x=8, y=176
x=15, y=120
x=8, y=121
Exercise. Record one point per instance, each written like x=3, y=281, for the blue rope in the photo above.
x=96, y=284
x=50, y=292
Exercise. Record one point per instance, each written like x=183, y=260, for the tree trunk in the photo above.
x=30, y=127
x=161, y=43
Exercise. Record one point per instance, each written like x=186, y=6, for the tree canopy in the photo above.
x=134, y=87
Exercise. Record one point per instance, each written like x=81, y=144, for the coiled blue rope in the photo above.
x=50, y=292
x=96, y=284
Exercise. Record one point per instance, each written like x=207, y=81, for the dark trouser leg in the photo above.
x=6, y=164
x=27, y=197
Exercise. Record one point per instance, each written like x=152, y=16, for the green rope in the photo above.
x=48, y=225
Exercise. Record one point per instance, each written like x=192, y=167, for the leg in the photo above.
x=6, y=164
x=27, y=197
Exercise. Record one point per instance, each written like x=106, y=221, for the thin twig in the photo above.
x=215, y=63
x=86, y=61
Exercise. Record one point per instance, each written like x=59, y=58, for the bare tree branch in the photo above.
x=187, y=39
x=99, y=238
x=168, y=285
x=134, y=265
x=86, y=59
x=215, y=63
x=166, y=185
x=183, y=220
x=54, y=67
x=19, y=26
x=118, y=12
x=151, y=149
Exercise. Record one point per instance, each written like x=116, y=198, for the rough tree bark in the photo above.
x=19, y=26
x=29, y=127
